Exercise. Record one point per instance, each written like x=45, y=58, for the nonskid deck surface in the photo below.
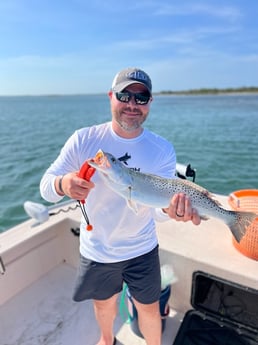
x=45, y=314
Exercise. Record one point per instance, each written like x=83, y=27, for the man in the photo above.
x=123, y=246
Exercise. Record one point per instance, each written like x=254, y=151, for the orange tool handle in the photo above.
x=86, y=172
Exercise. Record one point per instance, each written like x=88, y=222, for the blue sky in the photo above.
x=77, y=46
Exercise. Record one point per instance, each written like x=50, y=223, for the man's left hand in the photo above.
x=180, y=209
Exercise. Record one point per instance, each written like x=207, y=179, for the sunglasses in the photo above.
x=140, y=98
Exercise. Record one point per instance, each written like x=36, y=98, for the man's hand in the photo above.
x=74, y=186
x=180, y=209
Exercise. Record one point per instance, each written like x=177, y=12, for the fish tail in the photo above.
x=239, y=222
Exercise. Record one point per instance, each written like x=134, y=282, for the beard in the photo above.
x=129, y=123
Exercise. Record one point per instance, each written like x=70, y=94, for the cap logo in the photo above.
x=137, y=75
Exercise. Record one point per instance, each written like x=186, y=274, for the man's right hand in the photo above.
x=73, y=186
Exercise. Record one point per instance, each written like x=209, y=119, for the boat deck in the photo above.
x=44, y=313
x=39, y=267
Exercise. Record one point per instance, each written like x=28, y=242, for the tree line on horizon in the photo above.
x=251, y=89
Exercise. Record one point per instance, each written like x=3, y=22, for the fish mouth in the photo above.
x=100, y=161
x=99, y=157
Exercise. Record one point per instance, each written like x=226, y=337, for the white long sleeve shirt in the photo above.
x=118, y=232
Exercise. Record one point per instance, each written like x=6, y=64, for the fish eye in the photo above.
x=113, y=159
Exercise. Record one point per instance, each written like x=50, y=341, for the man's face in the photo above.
x=129, y=116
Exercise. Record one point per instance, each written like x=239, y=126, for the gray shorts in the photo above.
x=101, y=281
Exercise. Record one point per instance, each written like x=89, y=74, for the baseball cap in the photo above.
x=130, y=76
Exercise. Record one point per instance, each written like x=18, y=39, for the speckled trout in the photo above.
x=155, y=191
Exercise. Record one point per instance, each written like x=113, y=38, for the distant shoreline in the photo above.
x=211, y=91
x=202, y=91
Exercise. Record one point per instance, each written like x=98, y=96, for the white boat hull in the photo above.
x=39, y=266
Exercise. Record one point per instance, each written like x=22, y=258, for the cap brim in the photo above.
x=121, y=86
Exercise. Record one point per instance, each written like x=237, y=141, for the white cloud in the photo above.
x=225, y=12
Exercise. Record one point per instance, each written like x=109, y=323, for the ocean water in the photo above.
x=217, y=135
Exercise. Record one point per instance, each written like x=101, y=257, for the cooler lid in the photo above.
x=225, y=300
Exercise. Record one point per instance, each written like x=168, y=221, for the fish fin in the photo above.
x=215, y=200
x=211, y=196
x=204, y=218
x=202, y=190
x=240, y=222
x=132, y=205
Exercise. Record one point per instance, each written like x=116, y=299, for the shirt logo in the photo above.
x=125, y=158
